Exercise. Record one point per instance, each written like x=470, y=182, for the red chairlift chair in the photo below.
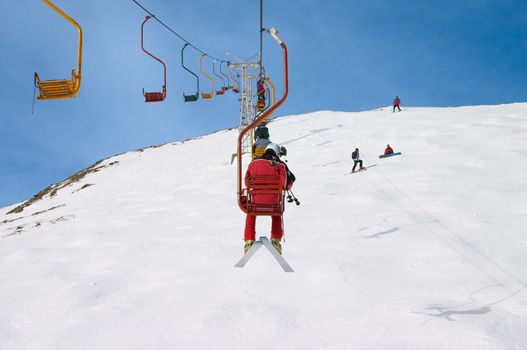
x=264, y=185
x=154, y=96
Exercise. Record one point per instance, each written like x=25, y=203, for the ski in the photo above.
x=245, y=258
x=363, y=169
x=279, y=258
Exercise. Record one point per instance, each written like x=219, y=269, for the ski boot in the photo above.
x=276, y=244
x=248, y=244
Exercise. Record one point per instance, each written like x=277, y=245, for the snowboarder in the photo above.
x=356, y=160
x=388, y=150
x=396, y=103
x=261, y=137
x=268, y=164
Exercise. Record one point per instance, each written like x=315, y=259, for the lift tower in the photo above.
x=248, y=72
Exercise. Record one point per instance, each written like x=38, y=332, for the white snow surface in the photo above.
x=427, y=250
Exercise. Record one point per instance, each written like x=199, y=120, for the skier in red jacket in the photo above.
x=260, y=92
x=396, y=103
x=268, y=164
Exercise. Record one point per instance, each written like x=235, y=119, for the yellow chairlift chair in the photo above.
x=206, y=95
x=271, y=85
x=57, y=89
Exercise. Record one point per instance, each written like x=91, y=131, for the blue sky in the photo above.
x=343, y=55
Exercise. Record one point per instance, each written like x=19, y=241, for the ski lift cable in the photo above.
x=176, y=33
x=453, y=235
x=262, y=30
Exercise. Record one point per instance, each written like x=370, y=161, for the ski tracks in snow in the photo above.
x=467, y=251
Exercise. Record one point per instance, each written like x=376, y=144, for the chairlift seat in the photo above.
x=264, y=185
x=190, y=98
x=220, y=92
x=57, y=89
x=206, y=95
x=154, y=96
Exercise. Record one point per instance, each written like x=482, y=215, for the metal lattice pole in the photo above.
x=248, y=73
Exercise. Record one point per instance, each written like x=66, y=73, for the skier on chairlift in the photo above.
x=268, y=165
x=261, y=140
x=260, y=92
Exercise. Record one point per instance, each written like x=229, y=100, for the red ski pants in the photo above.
x=250, y=227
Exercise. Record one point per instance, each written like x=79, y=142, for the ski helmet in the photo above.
x=274, y=147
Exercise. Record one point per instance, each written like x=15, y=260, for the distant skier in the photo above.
x=261, y=137
x=388, y=150
x=396, y=103
x=356, y=160
x=268, y=165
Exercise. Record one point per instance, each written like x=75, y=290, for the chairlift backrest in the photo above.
x=265, y=185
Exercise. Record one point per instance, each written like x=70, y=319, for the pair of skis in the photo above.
x=264, y=241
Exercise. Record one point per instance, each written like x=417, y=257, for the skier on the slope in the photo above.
x=356, y=160
x=396, y=103
x=268, y=165
x=388, y=150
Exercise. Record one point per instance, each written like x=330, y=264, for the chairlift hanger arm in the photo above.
x=211, y=94
x=188, y=70
x=234, y=79
x=173, y=31
x=149, y=54
x=79, y=33
x=274, y=34
x=216, y=74
x=226, y=76
x=270, y=83
x=63, y=88
x=154, y=96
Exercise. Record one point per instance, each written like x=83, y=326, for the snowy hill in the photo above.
x=427, y=250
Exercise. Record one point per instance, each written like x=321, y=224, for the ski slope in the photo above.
x=427, y=250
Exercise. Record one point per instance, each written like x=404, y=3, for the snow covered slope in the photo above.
x=427, y=250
